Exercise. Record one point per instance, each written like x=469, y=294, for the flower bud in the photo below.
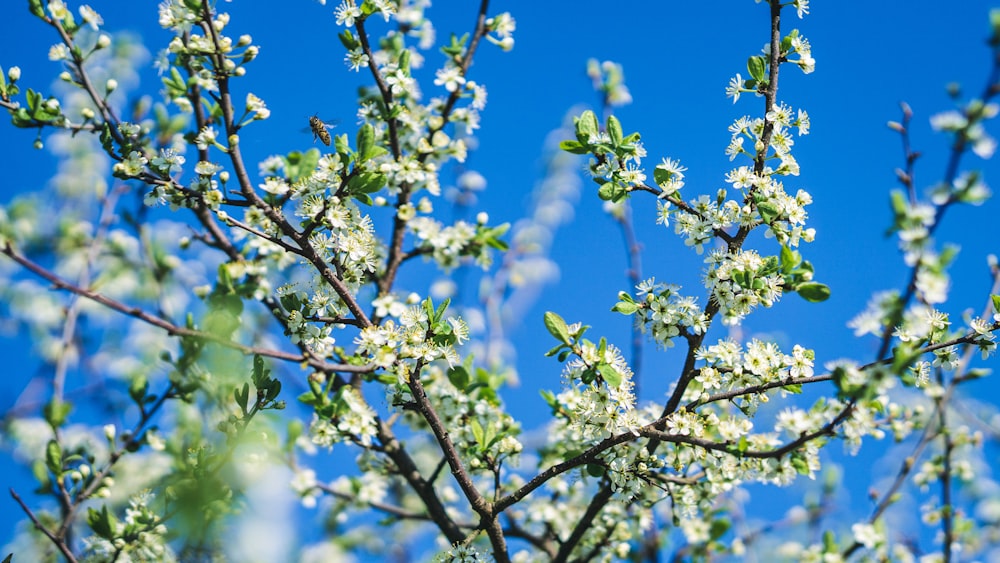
x=244, y=40
x=103, y=41
x=87, y=114
x=14, y=73
x=111, y=85
x=65, y=76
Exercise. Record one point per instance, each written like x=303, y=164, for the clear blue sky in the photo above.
x=678, y=57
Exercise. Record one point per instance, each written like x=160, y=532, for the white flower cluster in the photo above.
x=355, y=422
x=447, y=244
x=969, y=122
x=665, y=312
x=616, y=527
x=740, y=281
x=729, y=366
x=139, y=536
x=388, y=343
x=598, y=410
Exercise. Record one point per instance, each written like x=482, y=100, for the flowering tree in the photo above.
x=243, y=328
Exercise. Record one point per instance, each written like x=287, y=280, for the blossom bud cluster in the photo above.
x=209, y=56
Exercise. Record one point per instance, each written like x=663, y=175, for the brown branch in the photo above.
x=390, y=509
x=248, y=192
x=479, y=504
x=77, y=63
x=59, y=543
x=173, y=329
x=396, y=255
x=392, y=448
x=736, y=242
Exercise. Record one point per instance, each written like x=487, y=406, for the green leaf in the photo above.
x=53, y=457
x=557, y=327
x=242, y=396
x=478, y=433
x=977, y=373
x=800, y=465
x=138, y=388
x=575, y=147
x=33, y=99
x=550, y=399
x=756, y=66
x=102, y=522
x=36, y=9
x=610, y=375
x=56, y=412
x=299, y=165
x=662, y=176
x=814, y=292
x=365, y=142
x=311, y=399
x=555, y=350
x=789, y=259
x=903, y=356
x=273, y=390
x=347, y=40
x=340, y=145
x=365, y=183
x=625, y=308
x=586, y=126
x=442, y=308
x=607, y=191
x=768, y=211
x=459, y=377
x=614, y=130
x=260, y=371
x=718, y=528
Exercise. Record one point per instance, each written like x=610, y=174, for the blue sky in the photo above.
x=677, y=57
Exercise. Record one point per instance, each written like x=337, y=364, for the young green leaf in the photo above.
x=756, y=66
x=557, y=327
x=814, y=292
x=610, y=375
x=614, y=130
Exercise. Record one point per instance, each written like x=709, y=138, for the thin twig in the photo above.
x=173, y=329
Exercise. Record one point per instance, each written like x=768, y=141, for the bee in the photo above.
x=319, y=129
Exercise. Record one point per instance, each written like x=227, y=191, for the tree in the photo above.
x=209, y=335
